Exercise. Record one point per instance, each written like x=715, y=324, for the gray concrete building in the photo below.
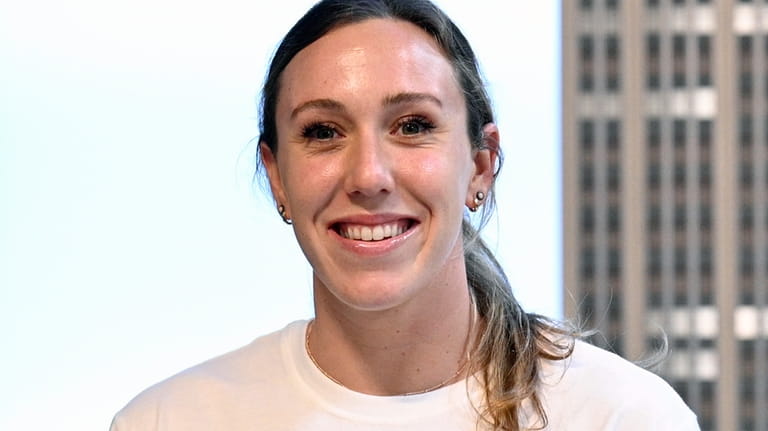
x=665, y=192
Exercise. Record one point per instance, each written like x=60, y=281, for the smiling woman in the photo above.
x=377, y=142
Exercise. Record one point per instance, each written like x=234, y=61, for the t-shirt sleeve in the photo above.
x=597, y=390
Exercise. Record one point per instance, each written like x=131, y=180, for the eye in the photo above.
x=319, y=132
x=414, y=126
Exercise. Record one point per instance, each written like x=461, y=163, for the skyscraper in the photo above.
x=665, y=183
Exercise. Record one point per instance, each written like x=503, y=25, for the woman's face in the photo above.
x=374, y=163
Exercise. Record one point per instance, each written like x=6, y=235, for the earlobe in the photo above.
x=485, y=160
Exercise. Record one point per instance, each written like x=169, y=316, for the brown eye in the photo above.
x=324, y=133
x=319, y=132
x=411, y=128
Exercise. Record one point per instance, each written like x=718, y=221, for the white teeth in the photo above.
x=373, y=233
x=378, y=233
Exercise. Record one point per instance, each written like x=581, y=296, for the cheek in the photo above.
x=442, y=174
x=308, y=181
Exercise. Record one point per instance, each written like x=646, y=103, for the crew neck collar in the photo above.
x=361, y=407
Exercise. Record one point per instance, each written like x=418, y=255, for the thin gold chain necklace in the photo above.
x=445, y=382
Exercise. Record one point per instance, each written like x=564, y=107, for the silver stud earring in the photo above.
x=283, y=215
x=479, y=197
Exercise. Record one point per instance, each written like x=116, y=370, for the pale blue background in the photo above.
x=132, y=241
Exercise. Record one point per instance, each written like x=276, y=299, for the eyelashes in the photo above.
x=413, y=125
x=319, y=131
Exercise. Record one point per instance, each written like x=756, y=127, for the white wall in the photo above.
x=132, y=242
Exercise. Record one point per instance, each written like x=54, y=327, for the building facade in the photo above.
x=665, y=188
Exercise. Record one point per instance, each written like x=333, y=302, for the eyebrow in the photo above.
x=403, y=98
x=396, y=99
x=328, y=104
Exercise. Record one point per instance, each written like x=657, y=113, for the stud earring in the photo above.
x=479, y=197
x=283, y=215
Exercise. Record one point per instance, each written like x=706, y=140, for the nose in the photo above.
x=368, y=167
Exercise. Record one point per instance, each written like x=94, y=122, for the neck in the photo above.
x=408, y=350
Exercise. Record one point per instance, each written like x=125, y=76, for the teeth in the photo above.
x=378, y=233
x=373, y=233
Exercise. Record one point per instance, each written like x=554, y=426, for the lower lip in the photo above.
x=374, y=248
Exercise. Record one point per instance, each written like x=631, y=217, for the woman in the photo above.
x=376, y=137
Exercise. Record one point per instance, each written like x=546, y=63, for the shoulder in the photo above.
x=220, y=385
x=607, y=392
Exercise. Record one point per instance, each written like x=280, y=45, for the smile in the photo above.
x=377, y=232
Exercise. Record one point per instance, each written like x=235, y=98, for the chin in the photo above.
x=370, y=295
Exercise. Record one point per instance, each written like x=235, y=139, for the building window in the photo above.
x=654, y=176
x=654, y=218
x=611, y=4
x=652, y=3
x=587, y=177
x=679, y=133
x=705, y=133
x=746, y=85
x=586, y=135
x=747, y=261
x=587, y=219
x=705, y=175
x=653, y=132
x=614, y=177
x=678, y=61
x=705, y=217
x=614, y=262
x=679, y=175
x=653, y=60
x=745, y=67
x=680, y=218
x=707, y=411
x=613, y=135
x=705, y=60
x=614, y=219
x=705, y=261
x=654, y=261
x=586, y=4
x=588, y=263
x=765, y=47
x=745, y=130
x=747, y=175
x=612, y=81
x=587, y=55
x=747, y=217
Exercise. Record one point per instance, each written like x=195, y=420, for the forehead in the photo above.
x=386, y=56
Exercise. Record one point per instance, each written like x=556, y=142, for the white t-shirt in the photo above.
x=271, y=384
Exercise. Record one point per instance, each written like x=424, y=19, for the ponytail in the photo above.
x=512, y=343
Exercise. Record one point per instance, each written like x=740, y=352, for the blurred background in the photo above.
x=133, y=241
x=665, y=192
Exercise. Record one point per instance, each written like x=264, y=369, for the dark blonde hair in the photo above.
x=513, y=342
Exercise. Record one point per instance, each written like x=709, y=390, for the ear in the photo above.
x=273, y=174
x=485, y=160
